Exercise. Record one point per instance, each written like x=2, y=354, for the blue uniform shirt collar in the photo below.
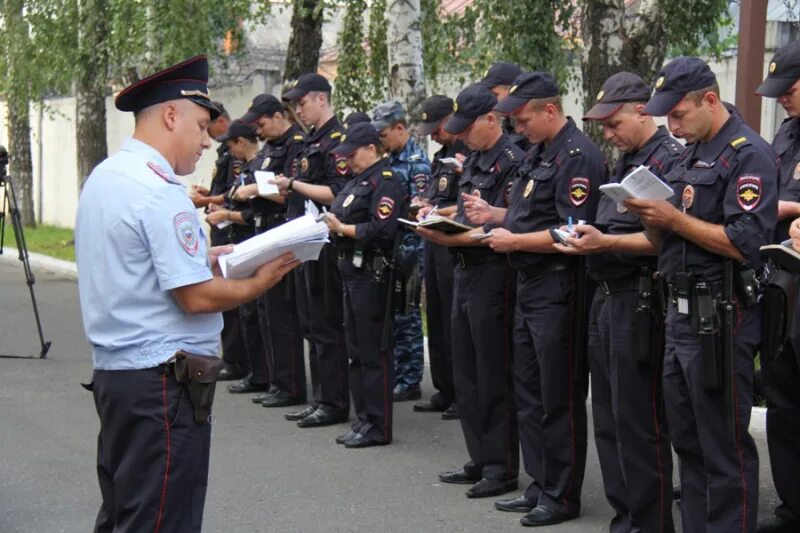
x=152, y=157
x=408, y=150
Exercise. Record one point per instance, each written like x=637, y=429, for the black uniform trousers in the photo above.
x=234, y=353
x=630, y=428
x=152, y=458
x=551, y=404
x=483, y=303
x=329, y=352
x=255, y=342
x=304, y=321
x=439, y=305
x=782, y=390
x=371, y=368
x=719, y=475
x=280, y=329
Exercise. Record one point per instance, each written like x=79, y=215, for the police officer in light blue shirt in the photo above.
x=149, y=288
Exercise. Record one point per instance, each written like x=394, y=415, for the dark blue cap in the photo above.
x=528, y=86
x=679, y=77
x=305, y=84
x=501, y=73
x=238, y=128
x=784, y=71
x=188, y=79
x=358, y=135
x=356, y=117
x=619, y=89
x=263, y=104
x=471, y=103
x=434, y=110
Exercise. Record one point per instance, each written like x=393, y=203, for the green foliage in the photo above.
x=697, y=27
x=378, y=51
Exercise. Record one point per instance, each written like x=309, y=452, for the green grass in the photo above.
x=43, y=239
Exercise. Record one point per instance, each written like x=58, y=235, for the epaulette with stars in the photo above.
x=673, y=145
x=574, y=152
x=510, y=154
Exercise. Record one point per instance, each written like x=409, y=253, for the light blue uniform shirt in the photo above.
x=138, y=236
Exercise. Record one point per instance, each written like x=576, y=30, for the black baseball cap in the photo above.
x=356, y=117
x=679, y=77
x=471, y=103
x=618, y=90
x=501, y=73
x=307, y=83
x=358, y=135
x=784, y=71
x=263, y=104
x=188, y=79
x=528, y=86
x=434, y=110
x=238, y=128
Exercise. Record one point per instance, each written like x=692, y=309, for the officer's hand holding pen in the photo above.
x=476, y=209
x=245, y=192
x=794, y=233
x=334, y=224
x=218, y=215
x=282, y=182
x=655, y=213
x=501, y=241
x=587, y=240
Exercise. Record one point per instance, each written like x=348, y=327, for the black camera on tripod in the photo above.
x=3, y=164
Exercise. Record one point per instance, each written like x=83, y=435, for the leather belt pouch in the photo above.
x=199, y=373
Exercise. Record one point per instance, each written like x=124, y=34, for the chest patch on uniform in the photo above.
x=442, y=184
x=265, y=164
x=687, y=198
x=796, y=175
x=578, y=190
x=421, y=181
x=304, y=164
x=342, y=168
x=160, y=172
x=748, y=192
x=348, y=200
x=529, y=188
x=385, y=207
x=186, y=232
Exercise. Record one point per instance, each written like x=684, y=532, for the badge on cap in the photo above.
x=578, y=190
x=529, y=188
x=265, y=164
x=442, y=184
x=455, y=107
x=687, y=198
x=385, y=207
x=341, y=166
x=659, y=82
x=512, y=89
x=748, y=192
x=349, y=200
x=600, y=95
x=772, y=67
x=424, y=116
x=186, y=232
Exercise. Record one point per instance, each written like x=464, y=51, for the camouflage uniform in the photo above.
x=413, y=167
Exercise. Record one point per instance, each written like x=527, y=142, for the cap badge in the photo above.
x=772, y=67
x=600, y=95
x=349, y=200
x=424, y=116
x=512, y=89
x=455, y=107
x=201, y=94
x=659, y=82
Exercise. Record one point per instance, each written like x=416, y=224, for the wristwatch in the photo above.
x=291, y=184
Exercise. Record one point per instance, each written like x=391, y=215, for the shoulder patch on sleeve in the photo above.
x=385, y=207
x=336, y=134
x=342, y=168
x=186, y=232
x=739, y=143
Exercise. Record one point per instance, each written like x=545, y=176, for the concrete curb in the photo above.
x=42, y=262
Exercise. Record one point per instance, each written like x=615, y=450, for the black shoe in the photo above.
x=361, y=441
x=246, y=386
x=491, y=487
x=783, y=521
x=258, y=398
x=459, y=477
x=226, y=374
x=324, y=416
x=544, y=516
x=404, y=395
x=301, y=414
x=431, y=406
x=281, y=399
x=451, y=413
x=520, y=504
x=341, y=439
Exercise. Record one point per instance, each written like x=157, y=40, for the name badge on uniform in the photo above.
x=443, y=184
x=348, y=200
x=529, y=188
x=304, y=164
x=265, y=164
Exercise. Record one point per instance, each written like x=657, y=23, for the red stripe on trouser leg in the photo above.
x=163, y=501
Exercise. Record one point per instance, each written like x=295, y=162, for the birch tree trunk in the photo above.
x=305, y=40
x=90, y=94
x=404, y=40
x=18, y=102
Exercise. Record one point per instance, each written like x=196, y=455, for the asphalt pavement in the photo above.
x=266, y=473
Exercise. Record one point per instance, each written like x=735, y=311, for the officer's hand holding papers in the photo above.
x=303, y=236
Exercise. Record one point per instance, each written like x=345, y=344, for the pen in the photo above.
x=569, y=224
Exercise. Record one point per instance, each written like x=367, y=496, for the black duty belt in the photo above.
x=610, y=286
x=716, y=291
x=542, y=269
x=462, y=260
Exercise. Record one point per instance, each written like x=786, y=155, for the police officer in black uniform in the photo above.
x=781, y=375
x=442, y=193
x=709, y=233
x=557, y=182
x=236, y=218
x=626, y=324
x=278, y=315
x=363, y=221
x=320, y=176
x=499, y=78
x=483, y=298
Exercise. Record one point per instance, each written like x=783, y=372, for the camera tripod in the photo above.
x=10, y=206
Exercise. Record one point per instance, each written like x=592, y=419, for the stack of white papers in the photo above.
x=641, y=183
x=303, y=236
